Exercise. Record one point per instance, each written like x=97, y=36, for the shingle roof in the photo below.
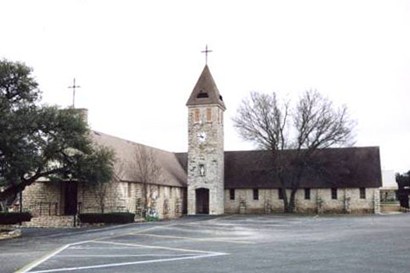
x=171, y=172
x=340, y=168
x=205, y=91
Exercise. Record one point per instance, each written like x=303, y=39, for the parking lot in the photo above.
x=258, y=243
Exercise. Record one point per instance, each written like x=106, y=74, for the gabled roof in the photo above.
x=339, y=167
x=205, y=91
x=170, y=171
x=336, y=167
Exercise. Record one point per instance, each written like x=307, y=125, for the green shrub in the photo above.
x=107, y=218
x=11, y=218
x=150, y=218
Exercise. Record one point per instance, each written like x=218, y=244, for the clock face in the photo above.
x=201, y=136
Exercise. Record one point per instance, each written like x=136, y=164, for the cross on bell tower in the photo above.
x=74, y=87
x=206, y=51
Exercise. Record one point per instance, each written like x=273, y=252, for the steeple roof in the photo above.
x=205, y=91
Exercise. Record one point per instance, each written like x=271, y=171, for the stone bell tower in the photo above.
x=205, y=147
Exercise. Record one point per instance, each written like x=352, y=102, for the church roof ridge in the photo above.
x=205, y=91
x=124, y=140
x=319, y=149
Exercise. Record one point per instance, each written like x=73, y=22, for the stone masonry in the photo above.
x=206, y=157
x=347, y=201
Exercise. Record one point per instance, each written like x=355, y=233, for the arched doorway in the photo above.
x=202, y=201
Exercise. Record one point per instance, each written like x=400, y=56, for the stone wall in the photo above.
x=43, y=198
x=108, y=197
x=348, y=201
x=52, y=221
x=129, y=197
x=206, y=156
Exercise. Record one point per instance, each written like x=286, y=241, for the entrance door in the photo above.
x=202, y=201
x=70, y=198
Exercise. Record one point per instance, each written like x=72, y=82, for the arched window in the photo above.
x=196, y=116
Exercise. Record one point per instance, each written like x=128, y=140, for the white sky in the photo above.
x=138, y=61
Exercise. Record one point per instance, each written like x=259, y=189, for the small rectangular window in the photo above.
x=280, y=194
x=255, y=194
x=232, y=194
x=307, y=194
x=362, y=193
x=208, y=114
x=129, y=190
x=196, y=115
x=334, y=193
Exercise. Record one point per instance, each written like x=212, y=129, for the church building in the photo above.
x=221, y=182
x=207, y=179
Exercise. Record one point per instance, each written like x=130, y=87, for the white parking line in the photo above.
x=176, y=257
x=123, y=256
x=128, y=263
x=156, y=247
x=45, y=258
x=222, y=240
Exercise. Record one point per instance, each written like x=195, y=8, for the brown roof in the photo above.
x=336, y=167
x=205, y=91
x=171, y=172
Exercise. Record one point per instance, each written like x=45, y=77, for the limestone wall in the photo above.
x=206, y=156
x=348, y=201
x=108, y=197
x=43, y=198
x=168, y=201
x=130, y=197
x=52, y=221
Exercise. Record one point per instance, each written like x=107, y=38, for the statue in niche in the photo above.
x=201, y=170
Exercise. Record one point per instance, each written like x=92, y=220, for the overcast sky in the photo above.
x=138, y=61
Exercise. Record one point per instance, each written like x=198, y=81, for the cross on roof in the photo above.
x=206, y=51
x=74, y=87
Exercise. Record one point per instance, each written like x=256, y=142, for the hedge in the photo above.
x=107, y=218
x=11, y=218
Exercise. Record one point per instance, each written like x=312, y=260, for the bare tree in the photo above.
x=101, y=191
x=145, y=170
x=107, y=190
x=102, y=183
x=314, y=123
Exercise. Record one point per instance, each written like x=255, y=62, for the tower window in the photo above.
x=202, y=94
x=220, y=97
x=208, y=114
x=196, y=115
x=232, y=194
x=220, y=117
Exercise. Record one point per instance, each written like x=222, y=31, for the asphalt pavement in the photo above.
x=234, y=243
